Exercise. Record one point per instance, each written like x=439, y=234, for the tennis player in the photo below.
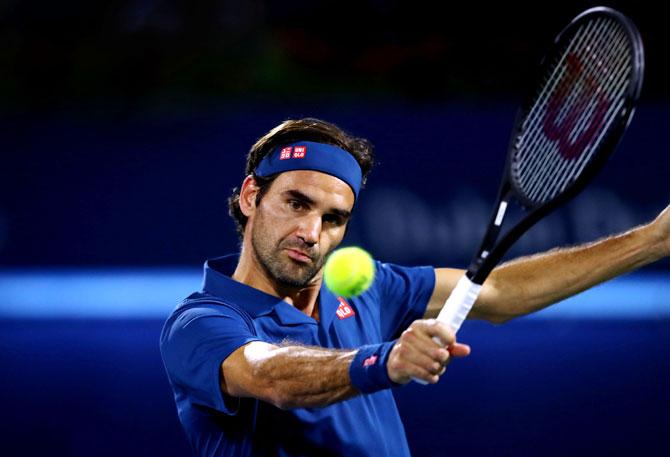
x=265, y=361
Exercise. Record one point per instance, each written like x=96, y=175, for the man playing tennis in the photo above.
x=266, y=361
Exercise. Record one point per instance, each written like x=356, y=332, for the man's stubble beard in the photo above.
x=280, y=267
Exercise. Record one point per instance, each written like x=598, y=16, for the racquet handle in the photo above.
x=459, y=303
x=457, y=307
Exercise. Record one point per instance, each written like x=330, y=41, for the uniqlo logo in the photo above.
x=370, y=361
x=344, y=310
x=285, y=153
x=299, y=152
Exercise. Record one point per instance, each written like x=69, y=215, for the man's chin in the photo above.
x=292, y=282
x=299, y=278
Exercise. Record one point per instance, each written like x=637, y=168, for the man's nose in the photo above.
x=310, y=229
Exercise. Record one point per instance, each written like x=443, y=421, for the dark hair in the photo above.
x=289, y=131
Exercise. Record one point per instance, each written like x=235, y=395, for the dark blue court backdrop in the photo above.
x=153, y=191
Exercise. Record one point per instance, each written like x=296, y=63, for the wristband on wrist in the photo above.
x=368, y=369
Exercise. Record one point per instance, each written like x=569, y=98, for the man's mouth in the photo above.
x=298, y=255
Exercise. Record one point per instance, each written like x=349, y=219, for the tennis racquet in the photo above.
x=587, y=86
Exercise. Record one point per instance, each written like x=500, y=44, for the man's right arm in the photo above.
x=290, y=376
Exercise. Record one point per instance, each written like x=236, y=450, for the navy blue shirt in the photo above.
x=208, y=326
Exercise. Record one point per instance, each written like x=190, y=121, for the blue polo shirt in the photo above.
x=209, y=325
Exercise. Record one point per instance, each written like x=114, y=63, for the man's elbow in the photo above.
x=490, y=317
x=492, y=305
x=499, y=319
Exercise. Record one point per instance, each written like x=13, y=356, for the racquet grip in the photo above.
x=459, y=303
x=456, y=308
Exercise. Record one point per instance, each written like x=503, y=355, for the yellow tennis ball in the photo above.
x=349, y=271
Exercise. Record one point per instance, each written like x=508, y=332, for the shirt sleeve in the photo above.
x=404, y=293
x=193, y=346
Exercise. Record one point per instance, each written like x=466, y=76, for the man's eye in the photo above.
x=295, y=204
x=332, y=219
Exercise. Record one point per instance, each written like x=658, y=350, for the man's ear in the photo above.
x=248, y=194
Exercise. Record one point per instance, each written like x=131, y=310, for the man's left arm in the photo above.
x=528, y=284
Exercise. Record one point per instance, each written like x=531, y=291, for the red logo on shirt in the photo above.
x=299, y=152
x=286, y=153
x=344, y=310
x=370, y=361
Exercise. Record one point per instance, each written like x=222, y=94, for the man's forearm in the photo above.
x=298, y=376
x=531, y=283
x=293, y=376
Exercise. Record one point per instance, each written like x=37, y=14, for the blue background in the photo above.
x=124, y=126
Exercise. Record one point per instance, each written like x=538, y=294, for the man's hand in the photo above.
x=661, y=230
x=417, y=355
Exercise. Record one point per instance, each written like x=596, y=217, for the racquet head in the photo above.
x=588, y=85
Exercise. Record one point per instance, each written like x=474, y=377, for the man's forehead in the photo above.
x=315, y=184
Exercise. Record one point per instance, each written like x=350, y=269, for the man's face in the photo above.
x=301, y=218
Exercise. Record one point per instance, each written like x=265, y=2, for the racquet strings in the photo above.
x=584, y=91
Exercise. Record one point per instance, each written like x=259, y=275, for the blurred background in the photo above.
x=125, y=125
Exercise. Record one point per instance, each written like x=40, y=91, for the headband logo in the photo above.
x=293, y=152
x=299, y=152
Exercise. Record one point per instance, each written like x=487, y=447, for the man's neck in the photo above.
x=250, y=272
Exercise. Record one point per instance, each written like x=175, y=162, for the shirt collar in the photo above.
x=218, y=281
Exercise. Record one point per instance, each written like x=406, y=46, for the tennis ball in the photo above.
x=349, y=271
